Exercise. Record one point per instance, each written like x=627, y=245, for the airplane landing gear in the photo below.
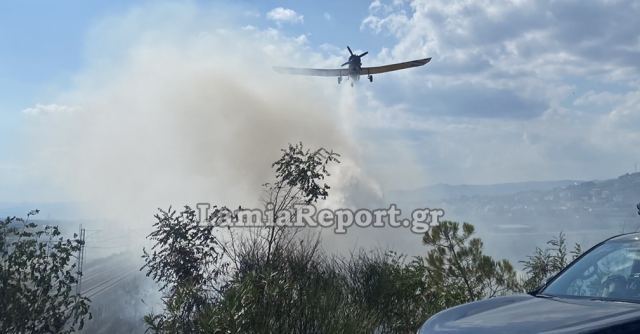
x=339, y=80
x=370, y=77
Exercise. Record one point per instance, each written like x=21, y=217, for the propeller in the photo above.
x=352, y=55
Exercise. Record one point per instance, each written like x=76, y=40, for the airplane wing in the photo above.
x=318, y=72
x=394, y=67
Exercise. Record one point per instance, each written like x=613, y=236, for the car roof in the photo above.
x=634, y=236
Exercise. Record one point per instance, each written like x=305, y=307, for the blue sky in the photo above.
x=43, y=42
x=516, y=91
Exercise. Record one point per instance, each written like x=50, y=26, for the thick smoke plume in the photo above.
x=192, y=114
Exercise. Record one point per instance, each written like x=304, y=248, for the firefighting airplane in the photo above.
x=355, y=68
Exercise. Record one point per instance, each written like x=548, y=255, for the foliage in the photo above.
x=546, y=262
x=186, y=261
x=458, y=271
x=276, y=278
x=390, y=289
x=37, y=277
x=308, y=292
x=301, y=292
x=303, y=169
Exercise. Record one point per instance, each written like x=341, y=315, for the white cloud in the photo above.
x=393, y=23
x=541, y=38
x=538, y=51
x=44, y=109
x=302, y=39
x=549, y=87
x=284, y=15
x=327, y=16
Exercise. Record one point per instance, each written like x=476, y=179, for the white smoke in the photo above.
x=184, y=114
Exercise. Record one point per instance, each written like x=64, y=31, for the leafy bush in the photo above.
x=544, y=263
x=186, y=260
x=37, y=277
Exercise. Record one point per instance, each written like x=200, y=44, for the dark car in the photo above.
x=597, y=293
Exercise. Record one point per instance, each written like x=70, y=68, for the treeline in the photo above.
x=270, y=279
x=278, y=279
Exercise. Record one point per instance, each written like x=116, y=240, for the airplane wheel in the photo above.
x=339, y=80
x=351, y=83
x=370, y=78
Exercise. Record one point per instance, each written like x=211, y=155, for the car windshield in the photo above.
x=609, y=272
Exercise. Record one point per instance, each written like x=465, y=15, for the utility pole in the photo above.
x=80, y=260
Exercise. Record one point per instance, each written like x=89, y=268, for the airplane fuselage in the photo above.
x=355, y=68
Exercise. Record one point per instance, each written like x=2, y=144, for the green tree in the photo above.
x=256, y=268
x=281, y=281
x=37, y=277
x=457, y=270
x=546, y=262
x=186, y=260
